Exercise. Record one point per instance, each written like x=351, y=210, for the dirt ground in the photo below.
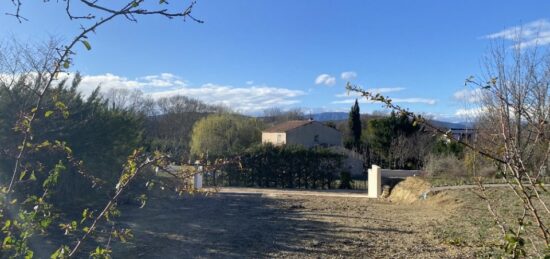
x=258, y=226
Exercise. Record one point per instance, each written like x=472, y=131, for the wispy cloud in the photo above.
x=325, y=79
x=536, y=33
x=108, y=81
x=467, y=95
x=247, y=99
x=415, y=100
x=470, y=113
x=163, y=80
x=373, y=90
x=348, y=75
x=385, y=89
x=349, y=101
x=395, y=100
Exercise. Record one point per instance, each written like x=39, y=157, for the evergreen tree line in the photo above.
x=287, y=166
x=100, y=130
x=92, y=132
x=393, y=141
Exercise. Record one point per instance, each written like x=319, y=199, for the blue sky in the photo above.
x=256, y=54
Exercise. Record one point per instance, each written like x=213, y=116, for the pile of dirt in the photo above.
x=410, y=190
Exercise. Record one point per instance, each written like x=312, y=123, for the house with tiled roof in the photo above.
x=308, y=133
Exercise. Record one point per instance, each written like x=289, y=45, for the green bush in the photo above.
x=286, y=166
x=99, y=136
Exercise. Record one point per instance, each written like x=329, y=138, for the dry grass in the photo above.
x=471, y=224
x=410, y=190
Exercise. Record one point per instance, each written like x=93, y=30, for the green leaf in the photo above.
x=135, y=4
x=66, y=64
x=85, y=213
x=60, y=105
x=87, y=44
x=32, y=177
x=7, y=224
x=45, y=222
x=48, y=114
x=7, y=240
x=510, y=238
x=23, y=173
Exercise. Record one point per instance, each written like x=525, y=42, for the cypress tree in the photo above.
x=354, y=123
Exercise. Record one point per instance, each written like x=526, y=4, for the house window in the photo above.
x=316, y=139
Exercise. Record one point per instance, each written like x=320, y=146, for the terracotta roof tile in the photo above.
x=289, y=125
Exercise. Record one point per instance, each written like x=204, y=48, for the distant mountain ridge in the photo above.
x=338, y=116
x=330, y=116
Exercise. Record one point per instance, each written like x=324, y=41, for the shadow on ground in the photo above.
x=229, y=225
x=220, y=225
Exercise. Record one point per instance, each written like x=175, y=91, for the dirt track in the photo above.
x=249, y=225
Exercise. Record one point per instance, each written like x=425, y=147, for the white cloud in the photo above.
x=250, y=82
x=246, y=99
x=163, y=80
x=350, y=101
x=470, y=113
x=415, y=100
x=348, y=75
x=395, y=100
x=385, y=90
x=536, y=33
x=325, y=79
x=382, y=90
x=467, y=95
x=348, y=94
x=373, y=90
x=108, y=81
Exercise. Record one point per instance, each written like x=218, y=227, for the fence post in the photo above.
x=375, y=182
x=197, y=178
x=197, y=183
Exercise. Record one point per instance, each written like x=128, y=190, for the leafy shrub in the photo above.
x=98, y=135
x=286, y=166
x=345, y=180
x=442, y=147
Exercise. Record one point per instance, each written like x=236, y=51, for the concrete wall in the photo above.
x=314, y=134
x=276, y=138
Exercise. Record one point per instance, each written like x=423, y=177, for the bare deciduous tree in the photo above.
x=515, y=134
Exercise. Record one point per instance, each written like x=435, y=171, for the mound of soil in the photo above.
x=410, y=190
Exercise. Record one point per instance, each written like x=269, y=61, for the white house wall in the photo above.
x=305, y=135
x=276, y=138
